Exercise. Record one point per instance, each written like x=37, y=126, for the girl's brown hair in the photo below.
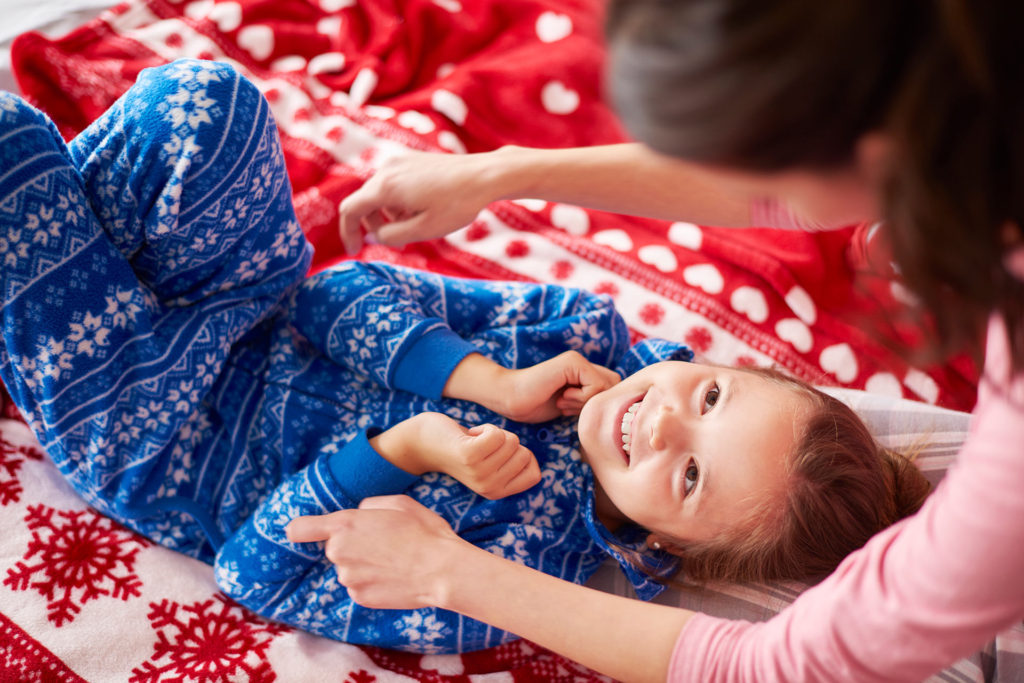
x=772, y=86
x=841, y=489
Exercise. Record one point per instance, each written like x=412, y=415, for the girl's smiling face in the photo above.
x=682, y=448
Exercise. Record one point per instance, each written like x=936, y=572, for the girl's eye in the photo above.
x=690, y=478
x=711, y=398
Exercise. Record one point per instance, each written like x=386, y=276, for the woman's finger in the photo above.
x=351, y=212
x=310, y=528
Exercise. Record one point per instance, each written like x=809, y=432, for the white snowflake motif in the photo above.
x=184, y=396
x=12, y=248
x=189, y=107
x=169, y=532
x=178, y=147
x=313, y=611
x=167, y=202
x=586, y=337
x=89, y=334
x=121, y=308
x=557, y=475
x=361, y=344
x=540, y=510
x=43, y=226
x=433, y=488
x=178, y=471
x=97, y=450
x=52, y=359
x=250, y=268
x=73, y=210
x=511, y=547
x=126, y=430
x=286, y=241
x=260, y=186
x=420, y=629
x=227, y=576
x=512, y=315
x=186, y=72
x=153, y=416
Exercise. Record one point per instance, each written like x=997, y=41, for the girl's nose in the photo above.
x=665, y=427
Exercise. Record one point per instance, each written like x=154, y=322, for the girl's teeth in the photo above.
x=627, y=425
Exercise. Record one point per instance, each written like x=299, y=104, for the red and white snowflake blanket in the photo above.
x=352, y=82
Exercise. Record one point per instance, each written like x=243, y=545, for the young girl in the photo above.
x=159, y=337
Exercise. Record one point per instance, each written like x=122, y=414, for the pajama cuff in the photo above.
x=429, y=362
x=360, y=472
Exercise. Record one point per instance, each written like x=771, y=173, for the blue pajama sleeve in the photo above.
x=408, y=329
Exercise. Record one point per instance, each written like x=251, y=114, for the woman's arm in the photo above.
x=627, y=639
x=419, y=196
x=624, y=638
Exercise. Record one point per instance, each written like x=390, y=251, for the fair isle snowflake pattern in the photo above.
x=211, y=641
x=87, y=337
x=424, y=628
x=79, y=556
x=11, y=459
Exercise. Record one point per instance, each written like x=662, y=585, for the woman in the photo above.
x=907, y=112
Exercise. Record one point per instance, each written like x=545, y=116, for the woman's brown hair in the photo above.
x=795, y=84
x=841, y=489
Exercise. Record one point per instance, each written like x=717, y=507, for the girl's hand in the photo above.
x=419, y=196
x=555, y=388
x=391, y=553
x=487, y=459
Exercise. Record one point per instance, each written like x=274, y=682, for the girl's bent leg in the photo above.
x=186, y=176
x=131, y=264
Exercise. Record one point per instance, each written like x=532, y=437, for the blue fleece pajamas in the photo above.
x=160, y=338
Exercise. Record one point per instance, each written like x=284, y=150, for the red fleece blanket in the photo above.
x=352, y=83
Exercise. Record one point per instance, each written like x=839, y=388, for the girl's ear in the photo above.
x=655, y=542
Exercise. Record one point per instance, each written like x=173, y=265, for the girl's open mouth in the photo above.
x=626, y=427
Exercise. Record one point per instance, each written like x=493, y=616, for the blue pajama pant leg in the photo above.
x=132, y=261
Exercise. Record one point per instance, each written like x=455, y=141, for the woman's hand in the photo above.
x=391, y=553
x=554, y=388
x=487, y=459
x=419, y=196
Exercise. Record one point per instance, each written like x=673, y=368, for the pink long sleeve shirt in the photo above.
x=919, y=595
